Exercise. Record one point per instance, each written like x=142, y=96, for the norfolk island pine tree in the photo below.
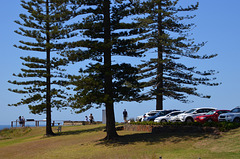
x=43, y=78
x=104, y=82
x=168, y=36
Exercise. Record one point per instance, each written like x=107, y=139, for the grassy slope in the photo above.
x=85, y=142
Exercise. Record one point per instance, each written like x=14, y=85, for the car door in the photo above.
x=214, y=117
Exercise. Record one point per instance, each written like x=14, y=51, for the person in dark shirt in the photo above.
x=125, y=115
x=91, y=118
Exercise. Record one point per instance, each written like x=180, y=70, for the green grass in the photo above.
x=85, y=142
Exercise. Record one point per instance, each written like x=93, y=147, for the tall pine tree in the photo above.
x=167, y=35
x=105, y=35
x=45, y=32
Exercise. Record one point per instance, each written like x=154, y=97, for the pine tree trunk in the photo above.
x=49, y=131
x=110, y=122
x=110, y=119
x=159, y=96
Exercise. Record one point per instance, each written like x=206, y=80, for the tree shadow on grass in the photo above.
x=147, y=138
x=151, y=139
x=76, y=132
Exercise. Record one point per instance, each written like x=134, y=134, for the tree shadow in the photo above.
x=150, y=138
x=147, y=138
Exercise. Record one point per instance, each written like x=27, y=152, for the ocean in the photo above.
x=27, y=125
x=4, y=126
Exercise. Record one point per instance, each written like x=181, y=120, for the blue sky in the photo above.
x=218, y=22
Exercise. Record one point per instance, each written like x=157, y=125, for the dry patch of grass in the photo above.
x=85, y=142
x=226, y=142
x=14, y=132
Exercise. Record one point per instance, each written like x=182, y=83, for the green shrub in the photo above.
x=222, y=126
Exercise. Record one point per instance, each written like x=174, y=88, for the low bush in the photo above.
x=222, y=126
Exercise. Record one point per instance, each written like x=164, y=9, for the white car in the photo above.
x=167, y=117
x=189, y=116
x=232, y=116
x=148, y=114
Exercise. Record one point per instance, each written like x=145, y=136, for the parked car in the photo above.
x=211, y=116
x=150, y=113
x=175, y=118
x=160, y=113
x=189, y=116
x=232, y=116
x=167, y=117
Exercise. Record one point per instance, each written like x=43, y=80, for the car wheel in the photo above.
x=236, y=120
x=189, y=120
x=209, y=120
x=163, y=120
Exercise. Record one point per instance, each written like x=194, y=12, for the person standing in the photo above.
x=125, y=115
x=91, y=118
x=23, y=121
x=86, y=118
x=20, y=120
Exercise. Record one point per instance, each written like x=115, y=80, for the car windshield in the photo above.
x=211, y=112
x=190, y=111
x=236, y=110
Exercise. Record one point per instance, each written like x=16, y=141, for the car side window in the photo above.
x=207, y=110
x=200, y=111
x=151, y=114
x=221, y=112
x=225, y=111
x=236, y=110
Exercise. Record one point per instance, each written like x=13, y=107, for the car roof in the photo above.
x=176, y=111
x=154, y=111
x=205, y=108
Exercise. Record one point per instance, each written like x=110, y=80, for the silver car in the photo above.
x=232, y=116
x=168, y=117
x=189, y=116
x=148, y=114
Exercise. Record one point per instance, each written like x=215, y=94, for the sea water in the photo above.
x=26, y=125
x=4, y=126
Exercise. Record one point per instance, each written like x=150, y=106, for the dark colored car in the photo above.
x=211, y=116
x=160, y=113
